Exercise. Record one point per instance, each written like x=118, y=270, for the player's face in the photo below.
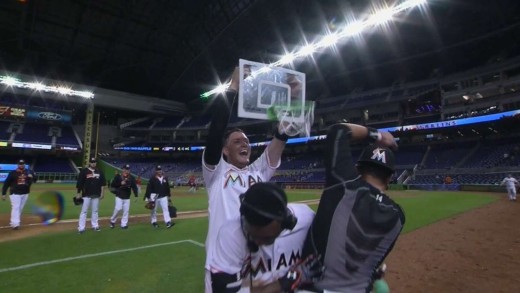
x=21, y=166
x=125, y=172
x=264, y=235
x=237, y=149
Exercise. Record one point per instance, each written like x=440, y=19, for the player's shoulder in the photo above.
x=302, y=211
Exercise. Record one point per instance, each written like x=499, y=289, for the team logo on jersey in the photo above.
x=234, y=178
x=260, y=266
x=379, y=155
x=93, y=175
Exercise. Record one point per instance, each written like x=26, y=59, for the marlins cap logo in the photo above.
x=379, y=155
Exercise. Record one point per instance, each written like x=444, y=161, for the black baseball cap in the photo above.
x=158, y=168
x=21, y=162
x=380, y=156
x=126, y=167
x=263, y=202
x=93, y=160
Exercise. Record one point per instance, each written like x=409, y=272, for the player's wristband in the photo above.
x=278, y=135
x=373, y=135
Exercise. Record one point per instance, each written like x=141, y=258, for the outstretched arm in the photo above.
x=221, y=111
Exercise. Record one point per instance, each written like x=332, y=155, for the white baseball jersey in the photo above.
x=270, y=262
x=509, y=182
x=224, y=185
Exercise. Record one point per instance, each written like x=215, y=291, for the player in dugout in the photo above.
x=356, y=224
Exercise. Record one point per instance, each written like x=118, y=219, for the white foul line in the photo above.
x=43, y=263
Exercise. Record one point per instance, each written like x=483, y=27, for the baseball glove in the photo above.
x=150, y=205
x=77, y=201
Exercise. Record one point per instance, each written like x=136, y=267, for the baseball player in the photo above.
x=255, y=252
x=124, y=184
x=158, y=191
x=192, y=184
x=356, y=224
x=510, y=182
x=91, y=186
x=19, y=182
x=226, y=168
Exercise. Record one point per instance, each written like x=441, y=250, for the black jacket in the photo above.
x=90, y=182
x=156, y=186
x=19, y=182
x=124, y=186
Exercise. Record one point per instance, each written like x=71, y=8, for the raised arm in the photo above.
x=221, y=111
x=339, y=164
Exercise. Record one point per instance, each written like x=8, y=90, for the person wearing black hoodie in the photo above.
x=19, y=182
x=158, y=192
x=91, y=183
x=123, y=184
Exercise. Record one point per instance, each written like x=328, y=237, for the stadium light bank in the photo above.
x=352, y=29
x=38, y=86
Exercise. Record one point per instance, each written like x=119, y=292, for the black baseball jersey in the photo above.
x=19, y=182
x=124, y=185
x=158, y=185
x=356, y=225
x=90, y=182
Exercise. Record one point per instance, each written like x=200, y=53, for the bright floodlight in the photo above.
x=307, y=50
x=378, y=18
x=64, y=90
x=287, y=59
x=328, y=40
x=382, y=16
x=352, y=29
x=411, y=4
x=9, y=81
x=222, y=88
x=37, y=86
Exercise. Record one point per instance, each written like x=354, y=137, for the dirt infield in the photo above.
x=478, y=251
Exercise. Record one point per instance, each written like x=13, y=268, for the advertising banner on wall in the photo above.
x=11, y=112
x=39, y=114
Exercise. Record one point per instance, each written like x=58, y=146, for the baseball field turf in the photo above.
x=143, y=259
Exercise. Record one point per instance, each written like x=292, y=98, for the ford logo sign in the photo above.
x=49, y=116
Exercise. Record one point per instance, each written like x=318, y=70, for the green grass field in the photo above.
x=143, y=259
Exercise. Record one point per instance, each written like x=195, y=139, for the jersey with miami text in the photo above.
x=224, y=185
x=270, y=262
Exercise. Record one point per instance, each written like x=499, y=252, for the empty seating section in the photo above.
x=195, y=122
x=484, y=179
x=53, y=164
x=447, y=155
x=411, y=155
x=67, y=137
x=4, y=126
x=168, y=122
x=145, y=168
x=366, y=99
x=34, y=133
x=495, y=154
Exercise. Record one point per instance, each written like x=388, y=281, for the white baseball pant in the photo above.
x=121, y=204
x=87, y=202
x=163, y=202
x=17, y=204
